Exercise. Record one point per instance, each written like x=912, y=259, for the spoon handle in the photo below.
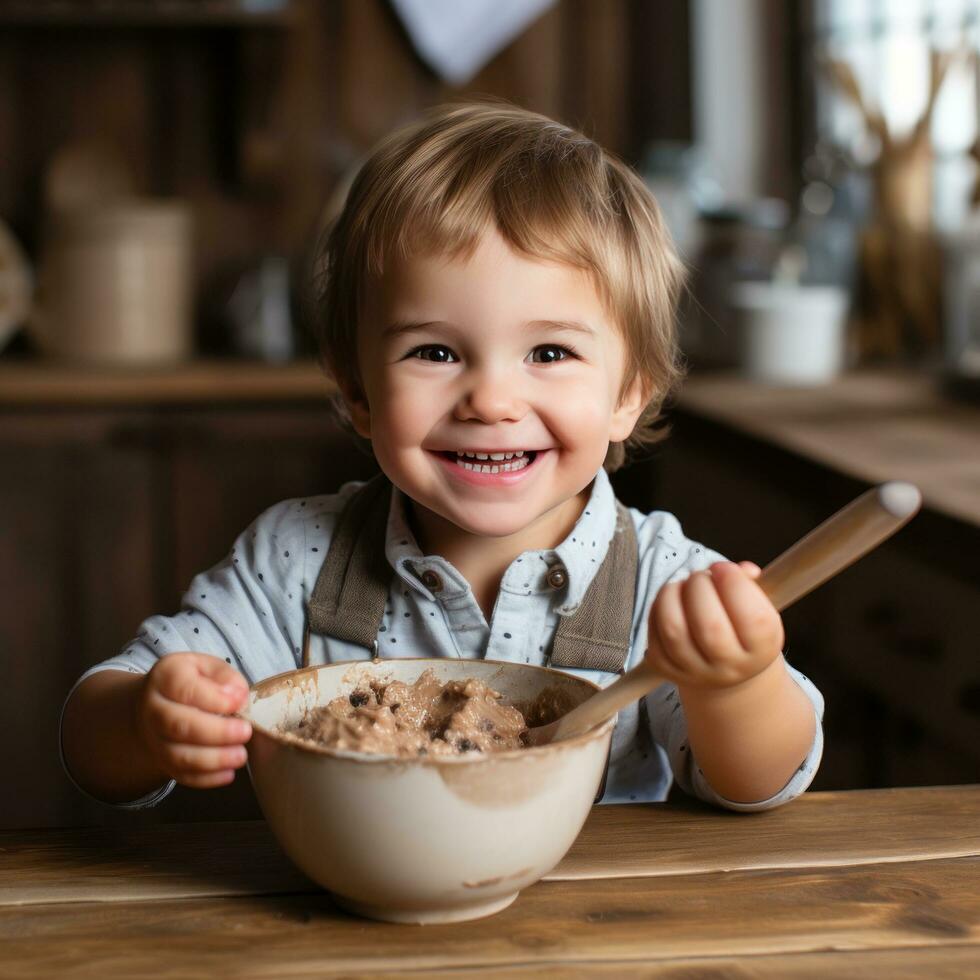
x=636, y=682
x=828, y=549
x=840, y=541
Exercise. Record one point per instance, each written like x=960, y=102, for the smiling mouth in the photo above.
x=480, y=462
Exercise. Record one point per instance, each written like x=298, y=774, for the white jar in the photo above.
x=788, y=333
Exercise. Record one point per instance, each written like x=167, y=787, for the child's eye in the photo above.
x=422, y=352
x=554, y=353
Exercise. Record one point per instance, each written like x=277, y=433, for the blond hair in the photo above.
x=552, y=193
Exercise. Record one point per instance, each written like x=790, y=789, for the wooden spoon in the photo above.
x=828, y=549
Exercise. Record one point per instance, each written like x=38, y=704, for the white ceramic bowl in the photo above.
x=427, y=839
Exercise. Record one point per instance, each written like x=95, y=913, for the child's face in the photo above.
x=487, y=368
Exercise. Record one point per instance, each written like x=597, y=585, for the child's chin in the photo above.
x=490, y=528
x=499, y=530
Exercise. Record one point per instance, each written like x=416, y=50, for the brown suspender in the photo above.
x=351, y=590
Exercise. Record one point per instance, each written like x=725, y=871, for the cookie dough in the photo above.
x=410, y=720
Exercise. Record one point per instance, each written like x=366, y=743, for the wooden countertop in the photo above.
x=872, y=425
x=871, y=883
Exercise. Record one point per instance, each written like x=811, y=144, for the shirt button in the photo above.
x=556, y=577
x=431, y=580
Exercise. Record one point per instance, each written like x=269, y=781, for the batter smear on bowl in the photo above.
x=423, y=718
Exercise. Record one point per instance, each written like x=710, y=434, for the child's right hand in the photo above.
x=180, y=719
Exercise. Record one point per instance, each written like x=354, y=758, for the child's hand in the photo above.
x=179, y=719
x=715, y=629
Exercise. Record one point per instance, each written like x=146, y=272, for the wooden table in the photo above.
x=878, y=883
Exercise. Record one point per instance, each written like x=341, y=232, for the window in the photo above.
x=887, y=45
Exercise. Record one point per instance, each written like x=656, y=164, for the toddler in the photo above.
x=496, y=303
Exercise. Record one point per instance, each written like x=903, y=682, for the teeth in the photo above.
x=510, y=466
x=494, y=456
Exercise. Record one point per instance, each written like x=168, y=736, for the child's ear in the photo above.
x=357, y=404
x=626, y=413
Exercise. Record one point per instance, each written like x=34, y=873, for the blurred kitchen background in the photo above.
x=166, y=165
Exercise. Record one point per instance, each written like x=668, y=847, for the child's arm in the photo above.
x=123, y=734
x=719, y=639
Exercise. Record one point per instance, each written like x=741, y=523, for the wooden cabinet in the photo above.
x=891, y=641
x=905, y=630
x=105, y=516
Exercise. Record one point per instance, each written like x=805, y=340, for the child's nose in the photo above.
x=491, y=397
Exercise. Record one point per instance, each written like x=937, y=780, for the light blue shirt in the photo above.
x=250, y=611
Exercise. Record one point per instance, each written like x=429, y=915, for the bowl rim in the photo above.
x=478, y=758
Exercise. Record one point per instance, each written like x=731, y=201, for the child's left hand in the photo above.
x=715, y=629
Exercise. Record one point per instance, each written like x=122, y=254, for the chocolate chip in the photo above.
x=359, y=698
x=465, y=745
x=487, y=725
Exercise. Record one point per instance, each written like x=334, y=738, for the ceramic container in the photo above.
x=790, y=334
x=422, y=839
x=116, y=285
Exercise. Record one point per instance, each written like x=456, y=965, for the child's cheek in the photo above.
x=580, y=411
x=409, y=408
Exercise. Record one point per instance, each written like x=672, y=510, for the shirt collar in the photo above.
x=401, y=548
x=581, y=553
x=406, y=557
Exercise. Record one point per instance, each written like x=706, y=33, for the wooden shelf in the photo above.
x=37, y=385
x=131, y=13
